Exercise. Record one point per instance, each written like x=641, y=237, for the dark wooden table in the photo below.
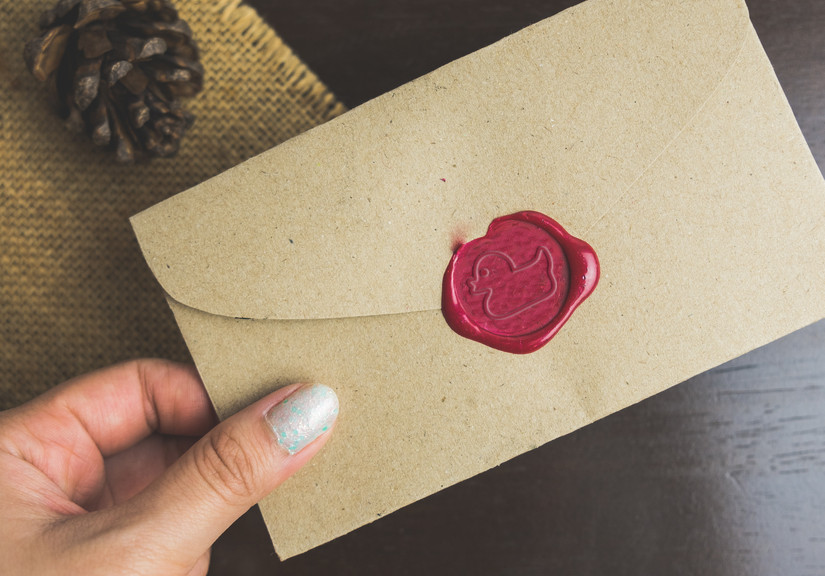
x=723, y=474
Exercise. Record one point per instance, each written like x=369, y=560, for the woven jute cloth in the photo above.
x=75, y=293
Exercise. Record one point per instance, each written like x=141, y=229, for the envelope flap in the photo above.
x=360, y=216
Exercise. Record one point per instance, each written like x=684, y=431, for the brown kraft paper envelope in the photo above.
x=654, y=130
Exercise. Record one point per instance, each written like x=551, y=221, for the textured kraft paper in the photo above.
x=654, y=130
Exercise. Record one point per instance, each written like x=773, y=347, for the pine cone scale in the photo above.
x=138, y=113
x=87, y=83
x=135, y=81
x=94, y=10
x=117, y=70
x=44, y=54
x=101, y=132
x=152, y=47
x=94, y=42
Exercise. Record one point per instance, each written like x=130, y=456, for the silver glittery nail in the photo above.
x=303, y=416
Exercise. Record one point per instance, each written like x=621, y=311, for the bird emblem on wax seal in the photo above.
x=510, y=289
x=514, y=288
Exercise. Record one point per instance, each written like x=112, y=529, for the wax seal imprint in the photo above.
x=514, y=288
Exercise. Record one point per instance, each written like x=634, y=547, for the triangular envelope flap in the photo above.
x=359, y=216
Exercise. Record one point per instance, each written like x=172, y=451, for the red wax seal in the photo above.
x=514, y=288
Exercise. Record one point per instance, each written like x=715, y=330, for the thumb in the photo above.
x=235, y=465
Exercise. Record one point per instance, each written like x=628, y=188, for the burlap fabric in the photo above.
x=75, y=293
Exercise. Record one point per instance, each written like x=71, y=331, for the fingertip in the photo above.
x=307, y=412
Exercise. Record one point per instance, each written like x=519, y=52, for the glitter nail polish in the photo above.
x=303, y=416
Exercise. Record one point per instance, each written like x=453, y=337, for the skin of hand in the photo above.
x=126, y=470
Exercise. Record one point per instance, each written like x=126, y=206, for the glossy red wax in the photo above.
x=515, y=287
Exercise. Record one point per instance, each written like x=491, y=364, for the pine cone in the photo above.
x=117, y=68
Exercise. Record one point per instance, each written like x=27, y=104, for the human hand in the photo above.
x=105, y=474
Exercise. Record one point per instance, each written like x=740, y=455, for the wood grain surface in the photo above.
x=721, y=475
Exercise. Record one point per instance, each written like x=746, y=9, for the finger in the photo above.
x=234, y=466
x=67, y=432
x=130, y=471
x=118, y=406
